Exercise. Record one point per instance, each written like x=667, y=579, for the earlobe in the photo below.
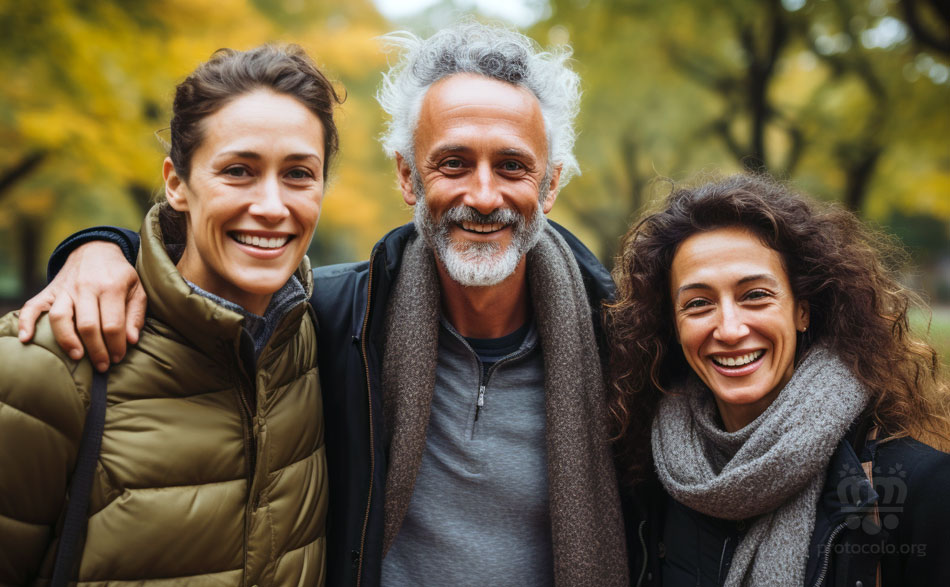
x=803, y=316
x=174, y=187
x=552, y=190
x=404, y=171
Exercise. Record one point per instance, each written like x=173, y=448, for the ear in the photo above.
x=552, y=190
x=802, y=316
x=174, y=186
x=404, y=171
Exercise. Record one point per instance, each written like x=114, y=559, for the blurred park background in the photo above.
x=847, y=99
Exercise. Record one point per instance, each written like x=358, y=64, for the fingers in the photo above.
x=31, y=312
x=88, y=325
x=112, y=314
x=135, y=313
x=96, y=277
x=64, y=329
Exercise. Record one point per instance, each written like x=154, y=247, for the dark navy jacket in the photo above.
x=911, y=541
x=350, y=302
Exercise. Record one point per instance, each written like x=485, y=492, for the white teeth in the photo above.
x=476, y=227
x=738, y=361
x=261, y=242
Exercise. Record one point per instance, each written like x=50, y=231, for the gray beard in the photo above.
x=477, y=264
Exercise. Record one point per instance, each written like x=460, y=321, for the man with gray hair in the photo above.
x=466, y=416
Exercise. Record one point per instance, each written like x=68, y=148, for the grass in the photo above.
x=939, y=334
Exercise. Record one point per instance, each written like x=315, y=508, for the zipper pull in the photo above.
x=480, y=401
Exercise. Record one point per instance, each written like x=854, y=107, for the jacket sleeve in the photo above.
x=127, y=240
x=42, y=411
x=924, y=523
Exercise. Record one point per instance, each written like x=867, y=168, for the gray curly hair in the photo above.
x=491, y=51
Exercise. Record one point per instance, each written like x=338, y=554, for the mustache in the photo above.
x=460, y=214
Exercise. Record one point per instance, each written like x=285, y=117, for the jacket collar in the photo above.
x=208, y=326
x=847, y=491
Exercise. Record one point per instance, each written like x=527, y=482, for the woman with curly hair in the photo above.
x=772, y=407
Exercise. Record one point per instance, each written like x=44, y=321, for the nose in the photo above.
x=483, y=194
x=732, y=326
x=269, y=202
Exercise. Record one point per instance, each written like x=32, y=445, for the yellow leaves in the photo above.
x=50, y=127
x=911, y=184
x=350, y=51
x=89, y=84
x=800, y=75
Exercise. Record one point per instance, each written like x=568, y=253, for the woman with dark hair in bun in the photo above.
x=775, y=417
x=212, y=466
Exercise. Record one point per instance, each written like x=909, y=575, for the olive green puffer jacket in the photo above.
x=212, y=470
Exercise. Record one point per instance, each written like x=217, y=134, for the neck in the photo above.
x=193, y=268
x=737, y=416
x=486, y=312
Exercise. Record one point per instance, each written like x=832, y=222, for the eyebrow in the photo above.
x=443, y=149
x=746, y=279
x=257, y=156
x=301, y=157
x=454, y=148
x=515, y=152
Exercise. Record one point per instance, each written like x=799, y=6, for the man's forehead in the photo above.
x=463, y=105
x=469, y=89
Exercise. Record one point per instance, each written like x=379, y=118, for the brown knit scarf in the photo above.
x=586, y=521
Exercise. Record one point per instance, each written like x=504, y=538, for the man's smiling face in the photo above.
x=481, y=184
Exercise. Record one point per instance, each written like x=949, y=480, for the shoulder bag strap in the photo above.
x=77, y=504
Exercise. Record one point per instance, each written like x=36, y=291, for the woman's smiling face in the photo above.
x=736, y=319
x=253, y=198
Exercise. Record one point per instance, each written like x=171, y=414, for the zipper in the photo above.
x=643, y=545
x=827, y=561
x=480, y=401
x=369, y=405
x=240, y=381
x=722, y=559
x=483, y=383
x=249, y=439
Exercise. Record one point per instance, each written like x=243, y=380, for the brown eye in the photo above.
x=694, y=304
x=236, y=171
x=299, y=173
x=757, y=294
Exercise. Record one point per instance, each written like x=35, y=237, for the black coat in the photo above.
x=350, y=302
x=911, y=485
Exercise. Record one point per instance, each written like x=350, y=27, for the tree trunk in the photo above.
x=31, y=280
x=19, y=170
x=858, y=178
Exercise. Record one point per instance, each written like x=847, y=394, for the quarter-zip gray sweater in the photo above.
x=479, y=512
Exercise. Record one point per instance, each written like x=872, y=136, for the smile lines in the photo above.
x=737, y=361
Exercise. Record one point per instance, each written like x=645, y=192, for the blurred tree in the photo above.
x=847, y=98
x=88, y=84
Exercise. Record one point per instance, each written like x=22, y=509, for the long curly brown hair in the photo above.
x=840, y=267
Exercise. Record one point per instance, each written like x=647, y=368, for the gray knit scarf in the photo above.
x=586, y=521
x=770, y=472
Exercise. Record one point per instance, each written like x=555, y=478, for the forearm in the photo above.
x=125, y=239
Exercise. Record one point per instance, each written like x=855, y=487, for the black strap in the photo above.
x=78, y=504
